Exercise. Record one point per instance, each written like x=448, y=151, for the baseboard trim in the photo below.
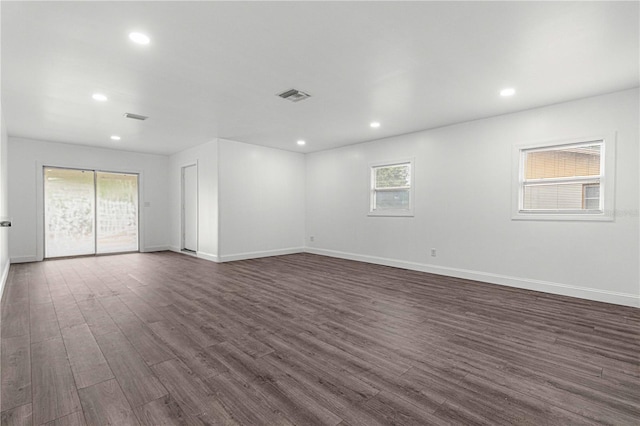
x=24, y=259
x=154, y=248
x=200, y=255
x=207, y=256
x=505, y=280
x=258, y=254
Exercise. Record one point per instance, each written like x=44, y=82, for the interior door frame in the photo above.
x=40, y=166
x=182, y=203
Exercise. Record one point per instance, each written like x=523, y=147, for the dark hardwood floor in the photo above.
x=165, y=338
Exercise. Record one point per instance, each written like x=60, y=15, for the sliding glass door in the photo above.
x=89, y=212
x=69, y=205
x=117, y=212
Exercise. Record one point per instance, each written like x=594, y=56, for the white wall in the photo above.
x=4, y=196
x=206, y=158
x=463, y=205
x=25, y=190
x=262, y=207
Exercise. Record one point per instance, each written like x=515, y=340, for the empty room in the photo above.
x=320, y=213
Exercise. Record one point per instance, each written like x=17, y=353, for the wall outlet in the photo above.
x=433, y=252
x=312, y=238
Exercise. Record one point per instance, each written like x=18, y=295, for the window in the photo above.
x=392, y=189
x=591, y=196
x=564, y=181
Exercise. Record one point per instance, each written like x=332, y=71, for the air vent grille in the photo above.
x=294, y=95
x=135, y=116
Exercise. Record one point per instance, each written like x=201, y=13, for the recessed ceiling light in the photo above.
x=509, y=91
x=115, y=138
x=301, y=142
x=139, y=38
x=99, y=97
x=374, y=124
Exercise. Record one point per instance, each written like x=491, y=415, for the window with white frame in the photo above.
x=392, y=189
x=564, y=180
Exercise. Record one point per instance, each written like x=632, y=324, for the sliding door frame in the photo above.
x=40, y=166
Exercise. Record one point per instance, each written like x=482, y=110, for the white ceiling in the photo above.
x=213, y=69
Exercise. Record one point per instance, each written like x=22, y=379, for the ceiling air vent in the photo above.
x=135, y=116
x=294, y=95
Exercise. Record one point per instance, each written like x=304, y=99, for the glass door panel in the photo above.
x=117, y=212
x=69, y=219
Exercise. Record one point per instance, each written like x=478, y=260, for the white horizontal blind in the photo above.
x=563, y=178
x=391, y=187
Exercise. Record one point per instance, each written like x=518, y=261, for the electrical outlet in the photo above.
x=312, y=238
x=433, y=252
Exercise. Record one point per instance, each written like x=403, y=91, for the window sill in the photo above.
x=575, y=217
x=391, y=213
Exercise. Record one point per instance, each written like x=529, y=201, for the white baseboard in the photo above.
x=24, y=259
x=5, y=275
x=154, y=248
x=257, y=254
x=207, y=256
x=523, y=283
x=180, y=251
x=200, y=254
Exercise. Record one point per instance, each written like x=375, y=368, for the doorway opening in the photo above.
x=89, y=212
x=190, y=209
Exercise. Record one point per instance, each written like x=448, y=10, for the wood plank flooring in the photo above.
x=164, y=338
